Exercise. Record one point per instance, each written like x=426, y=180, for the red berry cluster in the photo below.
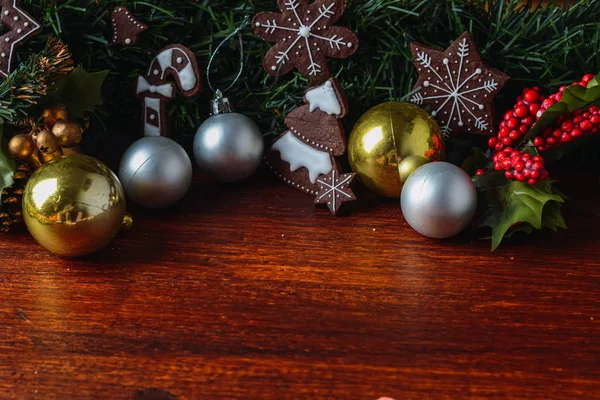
x=520, y=166
x=518, y=121
x=569, y=127
x=556, y=97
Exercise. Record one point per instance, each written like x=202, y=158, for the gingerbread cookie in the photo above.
x=178, y=63
x=304, y=35
x=458, y=86
x=335, y=190
x=126, y=27
x=19, y=27
x=315, y=136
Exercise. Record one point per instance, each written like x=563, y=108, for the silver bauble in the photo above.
x=155, y=172
x=228, y=146
x=438, y=200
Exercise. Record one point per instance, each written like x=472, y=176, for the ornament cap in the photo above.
x=220, y=105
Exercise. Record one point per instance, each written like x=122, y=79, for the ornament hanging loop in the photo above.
x=237, y=31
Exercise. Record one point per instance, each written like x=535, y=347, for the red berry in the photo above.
x=514, y=135
x=537, y=166
x=506, y=141
x=587, y=78
x=521, y=111
x=519, y=176
x=508, y=175
x=595, y=119
x=566, y=126
x=585, y=126
x=506, y=164
x=480, y=172
x=532, y=181
x=533, y=108
x=512, y=123
x=550, y=141
x=508, y=115
x=538, y=141
x=531, y=96
x=491, y=142
x=566, y=138
x=523, y=129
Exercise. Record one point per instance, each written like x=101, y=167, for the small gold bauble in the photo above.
x=74, y=206
x=52, y=114
x=46, y=142
x=46, y=158
x=21, y=146
x=386, y=135
x=68, y=133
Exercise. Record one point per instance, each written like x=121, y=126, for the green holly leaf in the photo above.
x=80, y=91
x=7, y=164
x=477, y=161
x=574, y=97
x=508, y=206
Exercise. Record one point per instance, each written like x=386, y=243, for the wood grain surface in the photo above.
x=247, y=292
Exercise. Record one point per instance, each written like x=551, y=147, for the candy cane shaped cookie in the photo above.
x=178, y=63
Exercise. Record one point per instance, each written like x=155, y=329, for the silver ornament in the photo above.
x=155, y=172
x=438, y=200
x=228, y=146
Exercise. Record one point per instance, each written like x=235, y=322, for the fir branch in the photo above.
x=545, y=45
x=31, y=80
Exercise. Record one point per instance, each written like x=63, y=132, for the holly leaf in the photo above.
x=477, y=161
x=506, y=205
x=80, y=91
x=7, y=164
x=574, y=97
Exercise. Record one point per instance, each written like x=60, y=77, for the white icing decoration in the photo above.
x=165, y=90
x=324, y=98
x=299, y=154
x=127, y=41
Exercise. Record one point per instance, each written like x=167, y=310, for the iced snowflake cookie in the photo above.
x=304, y=35
x=315, y=137
x=457, y=86
x=335, y=190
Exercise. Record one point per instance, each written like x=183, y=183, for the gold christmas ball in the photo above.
x=52, y=114
x=384, y=137
x=46, y=142
x=409, y=165
x=68, y=133
x=74, y=206
x=21, y=146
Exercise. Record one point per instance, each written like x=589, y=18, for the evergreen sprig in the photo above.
x=547, y=45
x=32, y=79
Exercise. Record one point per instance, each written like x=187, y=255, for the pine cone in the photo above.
x=11, y=209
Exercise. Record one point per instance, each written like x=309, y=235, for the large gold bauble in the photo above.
x=74, y=206
x=384, y=137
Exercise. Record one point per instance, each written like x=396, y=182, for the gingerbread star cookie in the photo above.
x=305, y=35
x=19, y=27
x=457, y=85
x=335, y=190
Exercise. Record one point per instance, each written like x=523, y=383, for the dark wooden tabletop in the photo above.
x=247, y=292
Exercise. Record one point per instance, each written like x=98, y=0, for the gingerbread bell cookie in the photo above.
x=19, y=26
x=315, y=137
x=457, y=85
x=126, y=27
x=304, y=34
x=178, y=63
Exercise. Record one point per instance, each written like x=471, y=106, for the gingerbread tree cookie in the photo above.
x=304, y=35
x=458, y=86
x=315, y=136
